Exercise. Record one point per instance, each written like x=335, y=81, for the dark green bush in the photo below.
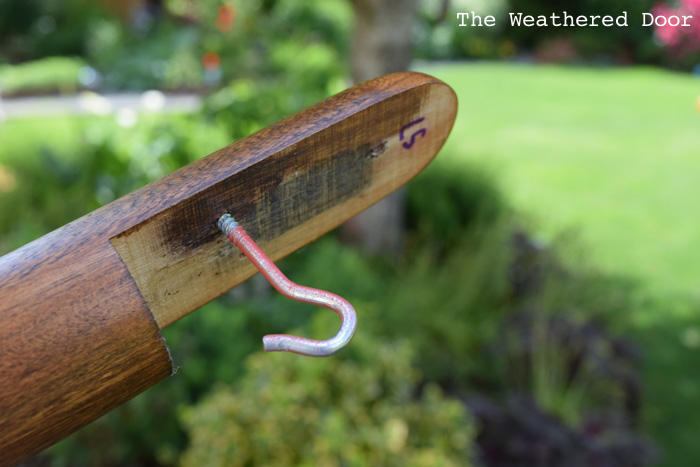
x=444, y=203
x=596, y=45
x=34, y=29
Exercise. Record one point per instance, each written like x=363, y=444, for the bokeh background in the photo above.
x=530, y=299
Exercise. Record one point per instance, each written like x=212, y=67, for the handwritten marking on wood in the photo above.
x=421, y=131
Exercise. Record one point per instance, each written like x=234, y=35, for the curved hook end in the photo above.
x=277, y=343
x=283, y=342
x=301, y=346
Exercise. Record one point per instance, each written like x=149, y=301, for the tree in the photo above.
x=382, y=43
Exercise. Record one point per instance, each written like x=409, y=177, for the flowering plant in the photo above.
x=682, y=41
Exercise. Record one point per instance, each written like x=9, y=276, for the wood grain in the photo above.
x=81, y=307
x=76, y=338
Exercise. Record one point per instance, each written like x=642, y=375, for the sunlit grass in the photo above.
x=25, y=137
x=614, y=154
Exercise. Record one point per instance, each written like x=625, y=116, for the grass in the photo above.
x=18, y=137
x=612, y=153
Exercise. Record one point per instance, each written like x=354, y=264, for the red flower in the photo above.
x=682, y=40
x=226, y=17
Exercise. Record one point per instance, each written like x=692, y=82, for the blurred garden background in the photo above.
x=542, y=305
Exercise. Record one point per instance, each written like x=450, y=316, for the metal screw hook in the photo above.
x=283, y=342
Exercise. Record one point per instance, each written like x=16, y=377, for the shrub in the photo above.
x=47, y=75
x=355, y=409
x=109, y=162
x=443, y=204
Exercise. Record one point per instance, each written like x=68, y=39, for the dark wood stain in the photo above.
x=287, y=202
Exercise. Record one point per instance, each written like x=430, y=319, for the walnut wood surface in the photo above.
x=81, y=307
x=76, y=338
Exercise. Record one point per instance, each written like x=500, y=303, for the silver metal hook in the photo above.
x=284, y=342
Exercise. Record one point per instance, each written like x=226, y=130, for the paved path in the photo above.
x=90, y=103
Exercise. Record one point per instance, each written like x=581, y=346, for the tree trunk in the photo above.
x=382, y=43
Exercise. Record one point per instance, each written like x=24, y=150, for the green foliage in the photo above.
x=443, y=39
x=443, y=203
x=62, y=27
x=453, y=285
x=108, y=162
x=634, y=40
x=35, y=29
x=452, y=307
x=287, y=57
x=299, y=46
x=285, y=50
x=602, y=45
x=163, y=57
x=356, y=409
x=46, y=75
x=17, y=15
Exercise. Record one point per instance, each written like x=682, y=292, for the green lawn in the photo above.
x=615, y=155
x=25, y=137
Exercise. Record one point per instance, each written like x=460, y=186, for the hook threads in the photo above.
x=227, y=223
x=283, y=342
